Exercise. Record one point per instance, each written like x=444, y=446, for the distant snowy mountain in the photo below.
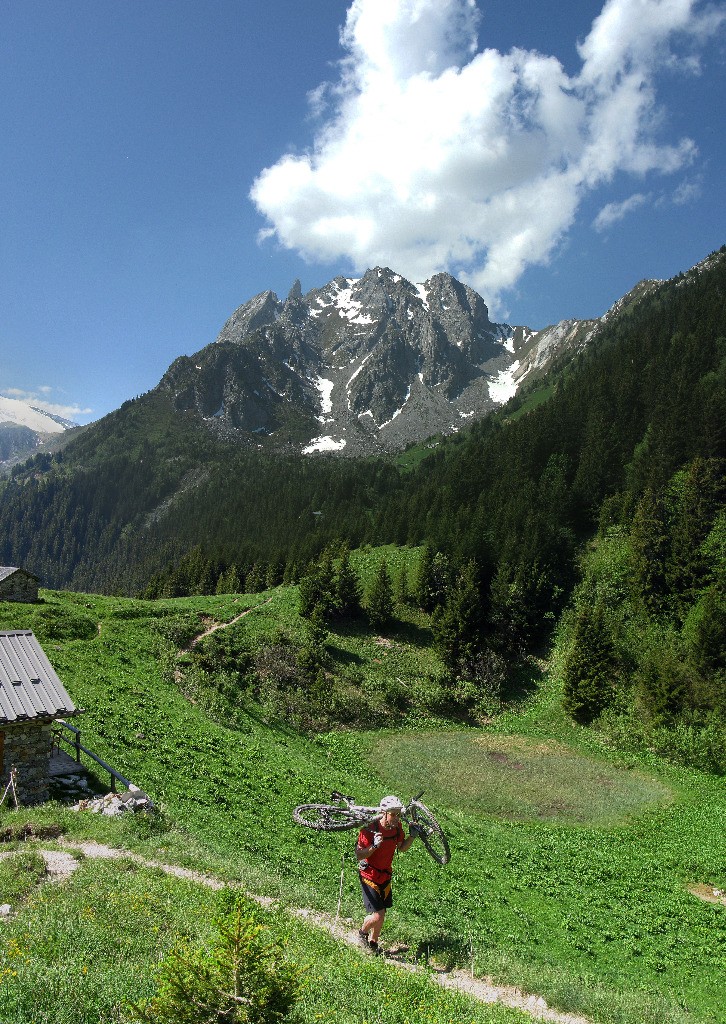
x=361, y=366
x=22, y=414
x=25, y=429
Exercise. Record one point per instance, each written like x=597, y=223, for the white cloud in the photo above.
x=66, y=411
x=613, y=212
x=434, y=153
x=687, y=192
x=635, y=35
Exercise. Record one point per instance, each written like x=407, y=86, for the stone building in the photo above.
x=18, y=585
x=32, y=697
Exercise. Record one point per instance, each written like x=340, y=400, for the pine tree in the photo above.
x=705, y=633
x=317, y=589
x=402, y=593
x=255, y=581
x=228, y=582
x=696, y=495
x=665, y=687
x=457, y=625
x=243, y=978
x=650, y=542
x=274, y=574
x=379, y=603
x=440, y=578
x=591, y=667
x=312, y=656
x=422, y=590
x=507, y=616
x=347, y=589
x=309, y=590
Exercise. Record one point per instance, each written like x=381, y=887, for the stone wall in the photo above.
x=20, y=586
x=27, y=747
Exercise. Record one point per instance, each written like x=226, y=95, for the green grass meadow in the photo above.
x=570, y=862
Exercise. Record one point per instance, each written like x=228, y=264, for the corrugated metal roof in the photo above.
x=29, y=686
x=8, y=570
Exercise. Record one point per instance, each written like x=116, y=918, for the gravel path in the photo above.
x=225, y=625
x=60, y=864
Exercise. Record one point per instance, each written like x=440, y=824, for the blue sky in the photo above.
x=162, y=161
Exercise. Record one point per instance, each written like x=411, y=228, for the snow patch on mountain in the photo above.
x=324, y=444
x=325, y=387
x=21, y=414
x=355, y=374
x=504, y=386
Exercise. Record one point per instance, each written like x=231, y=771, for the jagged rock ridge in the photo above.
x=361, y=366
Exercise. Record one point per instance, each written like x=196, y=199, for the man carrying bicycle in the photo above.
x=377, y=845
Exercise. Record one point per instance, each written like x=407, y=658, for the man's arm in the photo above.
x=408, y=842
x=365, y=845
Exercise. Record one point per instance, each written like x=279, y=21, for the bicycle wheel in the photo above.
x=431, y=834
x=325, y=817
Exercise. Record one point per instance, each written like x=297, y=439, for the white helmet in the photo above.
x=390, y=803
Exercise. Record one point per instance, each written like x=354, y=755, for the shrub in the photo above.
x=53, y=623
x=178, y=630
x=695, y=744
x=243, y=977
x=223, y=651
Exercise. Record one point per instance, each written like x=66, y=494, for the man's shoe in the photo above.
x=363, y=940
x=375, y=949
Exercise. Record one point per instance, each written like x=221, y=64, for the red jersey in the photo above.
x=380, y=860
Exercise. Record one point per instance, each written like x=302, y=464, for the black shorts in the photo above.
x=376, y=897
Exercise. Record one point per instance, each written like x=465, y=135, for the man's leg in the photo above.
x=373, y=924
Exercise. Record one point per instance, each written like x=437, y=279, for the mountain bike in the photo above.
x=343, y=813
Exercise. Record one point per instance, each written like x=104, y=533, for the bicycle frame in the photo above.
x=344, y=813
x=369, y=814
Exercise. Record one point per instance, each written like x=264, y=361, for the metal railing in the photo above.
x=78, y=748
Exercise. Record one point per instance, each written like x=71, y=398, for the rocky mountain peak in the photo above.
x=258, y=312
x=361, y=365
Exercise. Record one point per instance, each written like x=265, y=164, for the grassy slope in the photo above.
x=582, y=904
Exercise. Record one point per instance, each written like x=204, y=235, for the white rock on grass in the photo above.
x=113, y=804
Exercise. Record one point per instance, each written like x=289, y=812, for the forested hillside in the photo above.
x=626, y=446
x=517, y=492
x=520, y=492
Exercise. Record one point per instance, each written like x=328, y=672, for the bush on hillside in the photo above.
x=244, y=977
x=54, y=623
x=225, y=650
x=646, y=633
x=178, y=630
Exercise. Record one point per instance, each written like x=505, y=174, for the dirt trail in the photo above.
x=60, y=864
x=708, y=894
x=224, y=625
